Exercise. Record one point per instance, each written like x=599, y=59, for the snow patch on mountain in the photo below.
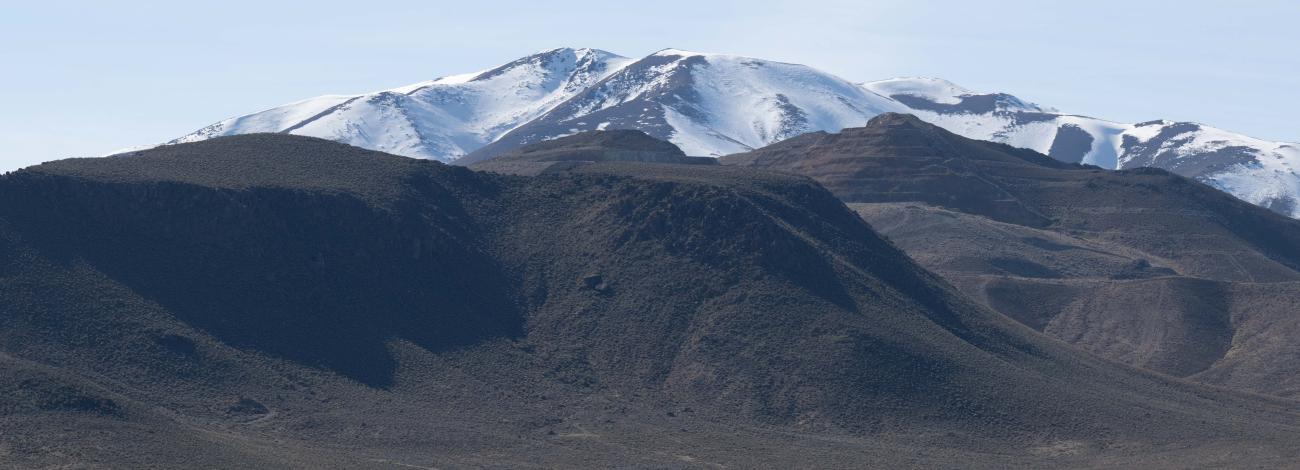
x=944, y=96
x=272, y=120
x=1257, y=171
x=699, y=140
x=759, y=102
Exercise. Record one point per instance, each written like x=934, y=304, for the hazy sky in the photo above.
x=86, y=78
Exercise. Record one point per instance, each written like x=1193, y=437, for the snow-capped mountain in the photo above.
x=712, y=104
x=707, y=104
x=441, y=119
x=1257, y=171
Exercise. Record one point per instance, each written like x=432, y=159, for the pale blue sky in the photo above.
x=84, y=78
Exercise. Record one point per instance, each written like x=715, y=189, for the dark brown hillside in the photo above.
x=904, y=160
x=321, y=260
x=1141, y=266
x=899, y=158
x=624, y=145
x=389, y=312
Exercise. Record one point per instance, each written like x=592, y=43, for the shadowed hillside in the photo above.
x=280, y=301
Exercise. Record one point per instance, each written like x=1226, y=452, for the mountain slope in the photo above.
x=1260, y=172
x=1141, y=266
x=707, y=104
x=439, y=119
x=288, y=300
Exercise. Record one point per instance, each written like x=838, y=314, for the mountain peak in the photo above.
x=899, y=120
x=576, y=51
x=563, y=59
x=681, y=53
x=937, y=94
x=934, y=89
